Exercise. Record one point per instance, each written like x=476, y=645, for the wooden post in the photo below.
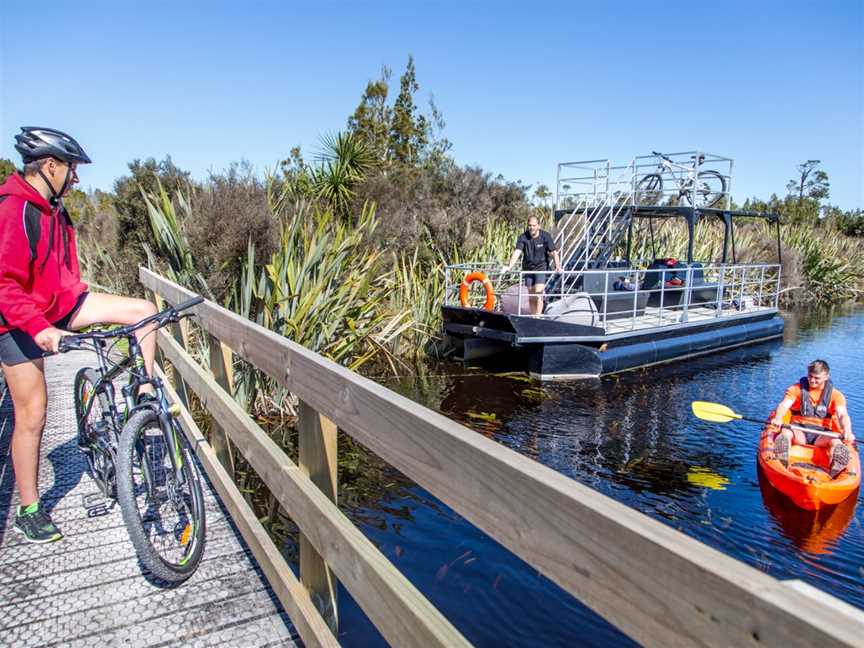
x=180, y=332
x=317, y=450
x=160, y=356
x=222, y=369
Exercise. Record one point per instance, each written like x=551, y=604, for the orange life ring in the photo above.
x=466, y=284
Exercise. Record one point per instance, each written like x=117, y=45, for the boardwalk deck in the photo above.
x=90, y=588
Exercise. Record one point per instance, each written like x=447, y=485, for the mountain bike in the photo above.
x=696, y=188
x=137, y=453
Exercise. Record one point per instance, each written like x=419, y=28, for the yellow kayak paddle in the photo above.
x=718, y=413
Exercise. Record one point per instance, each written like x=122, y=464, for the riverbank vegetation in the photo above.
x=345, y=253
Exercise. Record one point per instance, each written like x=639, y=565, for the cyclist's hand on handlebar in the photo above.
x=177, y=313
x=71, y=342
x=49, y=339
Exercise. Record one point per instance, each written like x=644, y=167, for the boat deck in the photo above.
x=654, y=318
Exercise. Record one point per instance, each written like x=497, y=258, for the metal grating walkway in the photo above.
x=89, y=588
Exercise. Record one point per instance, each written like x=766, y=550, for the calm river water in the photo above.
x=633, y=438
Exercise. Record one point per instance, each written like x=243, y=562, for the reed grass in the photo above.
x=821, y=266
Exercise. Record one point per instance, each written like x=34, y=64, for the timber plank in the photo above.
x=317, y=437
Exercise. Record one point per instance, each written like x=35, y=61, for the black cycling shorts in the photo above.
x=16, y=346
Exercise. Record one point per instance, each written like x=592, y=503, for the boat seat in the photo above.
x=673, y=296
x=621, y=303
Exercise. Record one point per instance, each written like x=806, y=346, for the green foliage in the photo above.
x=408, y=129
x=542, y=194
x=371, y=120
x=850, y=223
x=323, y=288
x=96, y=228
x=234, y=205
x=77, y=203
x=7, y=168
x=417, y=286
x=148, y=177
x=811, y=182
x=832, y=265
x=436, y=157
x=173, y=254
x=345, y=162
x=442, y=208
x=401, y=134
x=296, y=183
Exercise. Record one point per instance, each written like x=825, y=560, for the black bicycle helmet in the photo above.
x=35, y=143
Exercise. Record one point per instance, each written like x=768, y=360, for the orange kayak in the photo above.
x=806, y=480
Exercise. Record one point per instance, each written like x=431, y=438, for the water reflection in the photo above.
x=618, y=429
x=815, y=532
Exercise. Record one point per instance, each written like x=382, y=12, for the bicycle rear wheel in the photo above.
x=93, y=416
x=710, y=189
x=164, y=512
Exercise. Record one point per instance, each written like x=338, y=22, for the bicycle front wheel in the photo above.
x=710, y=189
x=163, y=510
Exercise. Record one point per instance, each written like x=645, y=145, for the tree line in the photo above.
x=392, y=156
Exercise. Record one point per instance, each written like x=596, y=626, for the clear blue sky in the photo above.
x=522, y=86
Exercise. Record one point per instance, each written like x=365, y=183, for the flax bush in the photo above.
x=323, y=288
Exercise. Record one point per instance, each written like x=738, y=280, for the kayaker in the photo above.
x=535, y=247
x=818, y=404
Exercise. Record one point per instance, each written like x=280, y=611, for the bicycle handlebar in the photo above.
x=169, y=315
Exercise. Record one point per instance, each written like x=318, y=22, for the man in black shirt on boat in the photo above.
x=534, y=246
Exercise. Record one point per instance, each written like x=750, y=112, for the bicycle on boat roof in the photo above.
x=696, y=188
x=138, y=454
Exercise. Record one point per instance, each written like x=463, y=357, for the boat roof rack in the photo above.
x=688, y=212
x=695, y=213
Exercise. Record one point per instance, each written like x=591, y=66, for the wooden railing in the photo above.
x=654, y=583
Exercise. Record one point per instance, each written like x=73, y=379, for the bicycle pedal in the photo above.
x=96, y=504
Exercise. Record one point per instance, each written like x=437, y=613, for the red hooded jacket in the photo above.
x=39, y=276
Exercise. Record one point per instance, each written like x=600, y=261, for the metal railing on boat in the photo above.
x=624, y=299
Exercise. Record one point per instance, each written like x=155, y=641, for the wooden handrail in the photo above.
x=402, y=615
x=654, y=583
x=290, y=592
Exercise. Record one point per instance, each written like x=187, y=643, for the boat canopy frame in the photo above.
x=693, y=215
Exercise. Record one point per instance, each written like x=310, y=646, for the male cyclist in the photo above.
x=42, y=297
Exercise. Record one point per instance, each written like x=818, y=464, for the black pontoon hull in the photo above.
x=556, y=350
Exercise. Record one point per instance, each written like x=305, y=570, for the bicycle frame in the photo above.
x=686, y=176
x=134, y=363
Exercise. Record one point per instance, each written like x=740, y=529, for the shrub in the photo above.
x=446, y=208
x=228, y=212
x=133, y=222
